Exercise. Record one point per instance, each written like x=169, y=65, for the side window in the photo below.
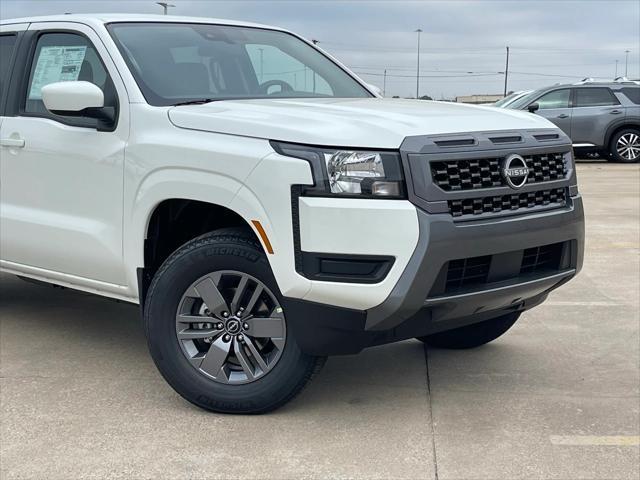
x=271, y=64
x=555, y=99
x=633, y=94
x=65, y=57
x=7, y=44
x=595, y=97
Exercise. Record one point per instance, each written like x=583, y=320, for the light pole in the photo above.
x=616, y=76
x=506, y=73
x=418, y=31
x=165, y=6
x=384, y=83
x=626, y=63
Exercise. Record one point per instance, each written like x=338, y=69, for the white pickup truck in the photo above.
x=263, y=205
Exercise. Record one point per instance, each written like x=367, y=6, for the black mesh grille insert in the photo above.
x=468, y=271
x=454, y=175
x=541, y=259
x=476, y=273
x=501, y=203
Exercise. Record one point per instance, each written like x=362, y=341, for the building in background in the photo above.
x=478, y=99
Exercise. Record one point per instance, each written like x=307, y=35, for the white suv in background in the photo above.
x=263, y=205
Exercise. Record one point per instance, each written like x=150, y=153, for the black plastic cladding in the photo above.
x=419, y=152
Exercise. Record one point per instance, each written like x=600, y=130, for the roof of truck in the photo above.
x=101, y=18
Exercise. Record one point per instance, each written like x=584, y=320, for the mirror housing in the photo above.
x=534, y=107
x=79, y=99
x=72, y=97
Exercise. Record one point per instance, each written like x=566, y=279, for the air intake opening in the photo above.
x=455, y=143
x=547, y=136
x=511, y=139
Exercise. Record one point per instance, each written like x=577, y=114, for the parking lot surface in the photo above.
x=556, y=397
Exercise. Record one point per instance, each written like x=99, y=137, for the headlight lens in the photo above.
x=350, y=172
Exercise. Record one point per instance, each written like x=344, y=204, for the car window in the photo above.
x=555, y=99
x=64, y=57
x=175, y=63
x=632, y=93
x=282, y=69
x=594, y=97
x=7, y=44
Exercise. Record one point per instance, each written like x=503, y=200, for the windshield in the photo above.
x=177, y=63
x=523, y=101
x=506, y=99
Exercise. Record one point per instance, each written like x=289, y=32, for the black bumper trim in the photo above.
x=441, y=240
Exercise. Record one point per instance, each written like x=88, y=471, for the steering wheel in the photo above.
x=284, y=86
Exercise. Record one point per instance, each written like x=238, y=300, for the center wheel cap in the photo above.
x=233, y=326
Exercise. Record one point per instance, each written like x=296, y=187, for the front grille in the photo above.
x=467, y=272
x=541, y=259
x=501, y=203
x=454, y=175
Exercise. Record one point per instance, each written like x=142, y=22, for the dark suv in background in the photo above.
x=598, y=117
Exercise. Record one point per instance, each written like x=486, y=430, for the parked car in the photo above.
x=599, y=117
x=262, y=205
x=512, y=97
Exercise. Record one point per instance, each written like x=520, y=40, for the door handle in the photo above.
x=12, y=142
x=615, y=112
x=563, y=115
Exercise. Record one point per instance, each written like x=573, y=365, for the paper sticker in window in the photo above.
x=56, y=64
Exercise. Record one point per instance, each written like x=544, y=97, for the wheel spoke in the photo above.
x=242, y=287
x=243, y=359
x=272, y=327
x=211, y=296
x=196, y=333
x=256, y=355
x=253, y=300
x=216, y=357
x=186, y=318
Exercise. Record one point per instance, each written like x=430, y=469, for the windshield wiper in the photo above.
x=200, y=101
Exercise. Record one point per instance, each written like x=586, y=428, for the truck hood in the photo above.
x=366, y=122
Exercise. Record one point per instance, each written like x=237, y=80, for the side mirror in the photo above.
x=78, y=99
x=375, y=89
x=71, y=98
x=534, y=107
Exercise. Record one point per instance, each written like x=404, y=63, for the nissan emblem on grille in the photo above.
x=515, y=171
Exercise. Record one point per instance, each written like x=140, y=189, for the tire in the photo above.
x=473, y=335
x=625, y=146
x=242, y=384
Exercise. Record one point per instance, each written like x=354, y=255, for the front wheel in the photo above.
x=473, y=335
x=217, y=331
x=625, y=146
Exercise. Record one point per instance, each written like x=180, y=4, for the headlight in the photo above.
x=349, y=172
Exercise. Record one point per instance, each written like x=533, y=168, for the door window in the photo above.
x=7, y=44
x=595, y=97
x=555, y=99
x=64, y=57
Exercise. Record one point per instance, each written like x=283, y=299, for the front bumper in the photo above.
x=421, y=302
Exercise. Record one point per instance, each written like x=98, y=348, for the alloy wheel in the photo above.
x=628, y=146
x=230, y=327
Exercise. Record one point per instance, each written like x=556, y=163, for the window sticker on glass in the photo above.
x=56, y=64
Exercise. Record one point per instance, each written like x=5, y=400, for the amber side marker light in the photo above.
x=263, y=235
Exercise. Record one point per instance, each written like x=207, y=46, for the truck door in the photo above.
x=62, y=178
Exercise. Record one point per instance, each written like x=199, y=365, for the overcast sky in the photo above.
x=463, y=42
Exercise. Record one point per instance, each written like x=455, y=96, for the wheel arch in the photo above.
x=628, y=122
x=174, y=195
